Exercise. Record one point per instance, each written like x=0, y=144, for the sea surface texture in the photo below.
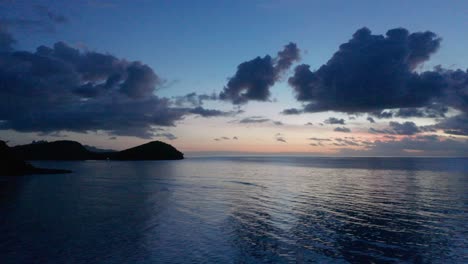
x=239, y=210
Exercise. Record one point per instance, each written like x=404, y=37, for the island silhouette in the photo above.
x=12, y=165
x=13, y=159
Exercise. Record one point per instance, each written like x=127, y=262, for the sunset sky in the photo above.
x=352, y=78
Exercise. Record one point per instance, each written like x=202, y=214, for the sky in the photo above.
x=327, y=78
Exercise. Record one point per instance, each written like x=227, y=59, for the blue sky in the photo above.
x=199, y=43
x=196, y=46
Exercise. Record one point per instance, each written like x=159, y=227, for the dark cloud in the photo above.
x=456, y=125
x=291, y=111
x=309, y=124
x=377, y=74
x=396, y=128
x=432, y=111
x=334, y=121
x=254, y=119
x=235, y=138
x=254, y=78
x=380, y=131
x=372, y=72
x=382, y=114
x=370, y=119
x=140, y=82
x=406, y=128
x=342, y=129
x=209, y=112
x=287, y=57
x=61, y=88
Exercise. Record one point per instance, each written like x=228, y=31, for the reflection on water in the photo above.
x=239, y=210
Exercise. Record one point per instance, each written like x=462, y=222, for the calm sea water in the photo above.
x=239, y=210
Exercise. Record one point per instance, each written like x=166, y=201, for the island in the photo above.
x=12, y=165
x=72, y=150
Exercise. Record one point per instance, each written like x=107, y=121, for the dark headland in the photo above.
x=13, y=159
x=72, y=150
x=11, y=164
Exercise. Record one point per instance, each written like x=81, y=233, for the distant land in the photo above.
x=12, y=165
x=12, y=159
x=72, y=150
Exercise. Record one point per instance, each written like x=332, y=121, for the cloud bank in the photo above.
x=62, y=88
x=371, y=73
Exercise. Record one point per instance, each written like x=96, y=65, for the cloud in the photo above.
x=140, y=82
x=319, y=139
x=433, y=111
x=224, y=138
x=372, y=72
x=280, y=138
x=334, y=121
x=381, y=75
x=456, y=125
x=254, y=119
x=406, y=128
x=309, y=124
x=342, y=129
x=370, y=119
x=209, y=112
x=380, y=131
x=429, y=145
x=291, y=111
x=348, y=141
x=396, y=128
x=193, y=99
x=258, y=120
x=166, y=135
x=235, y=138
x=382, y=114
x=287, y=57
x=254, y=78
x=278, y=123
x=62, y=88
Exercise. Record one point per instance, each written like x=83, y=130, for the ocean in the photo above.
x=239, y=210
